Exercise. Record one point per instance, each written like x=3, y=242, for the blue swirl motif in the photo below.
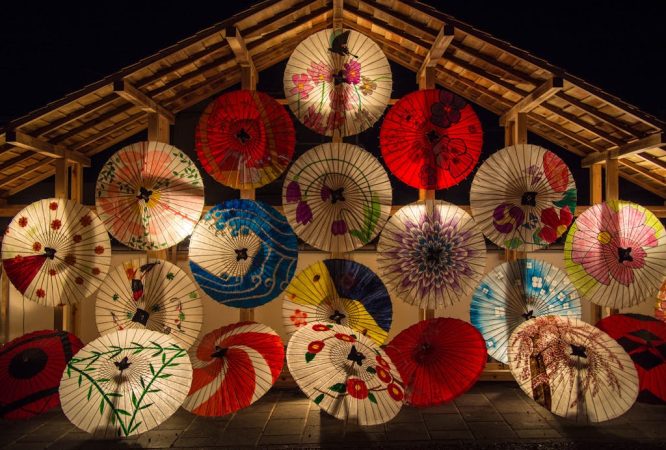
x=272, y=267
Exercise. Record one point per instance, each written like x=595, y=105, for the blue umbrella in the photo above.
x=243, y=253
x=517, y=291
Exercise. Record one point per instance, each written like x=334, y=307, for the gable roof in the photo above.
x=571, y=113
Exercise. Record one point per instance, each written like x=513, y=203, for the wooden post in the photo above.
x=612, y=193
x=596, y=196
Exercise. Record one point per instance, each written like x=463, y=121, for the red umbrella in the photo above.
x=644, y=338
x=30, y=370
x=431, y=139
x=438, y=359
x=245, y=139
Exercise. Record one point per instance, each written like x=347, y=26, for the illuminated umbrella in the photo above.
x=431, y=254
x=149, y=195
x=346, y=374
x=337, y=197
x=438, y=360
x=30, y=371
x=151, y=294
x=233, y=367
x=534, y=203
x=615, y=254
x=660, y=307
x=243, y=253
x=338, y=81
x=245, y=139
x=338, y=291
x=431, y=139
x=644, y=338
x=56, y=252
x=517, y=291
x=573, y=369
x=125, y=383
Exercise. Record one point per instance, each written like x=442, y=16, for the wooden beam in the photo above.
x=102, y=118
x=18, y=159
x=566, y=133
x=75, y=115
x=26, y=171
x=644, y=171
x=33, y=179
x=126, y=90
x=23, y=140
x=86, y=145
x=653, y=159
x=439, y=46
x=243, y=57
x=539, y=95
x=659, y=191
x=338, y=8
x=652, y=141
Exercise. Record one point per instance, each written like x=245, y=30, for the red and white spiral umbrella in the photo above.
x=233, y=367
x=56, y=252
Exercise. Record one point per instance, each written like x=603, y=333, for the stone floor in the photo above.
x=491, y=415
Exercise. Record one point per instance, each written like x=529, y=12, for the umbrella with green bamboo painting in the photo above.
x=125, y=383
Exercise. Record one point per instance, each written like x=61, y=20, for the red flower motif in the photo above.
x=23, y=221
x=319, y=327
x=315, y=346
x=345, y=337
x=395, y=392
x=383, y=374
x=557, y=173
x=40, y=293
x=77, y=238
x=36, y=246
x=79, y=280
x=382, y=362
x=298, y=318
x=302, y=86
x=96, y=271
x=70, y=259
x=53, y=206
x=52, y=272
x=554, y=226
x=99, y=249
x=56, y=224
x=357, y=388
x=86, y=220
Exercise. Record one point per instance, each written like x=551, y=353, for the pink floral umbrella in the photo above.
x=615, y=254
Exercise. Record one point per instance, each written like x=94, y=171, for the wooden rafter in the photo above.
x=539, y=95
x=23, y=172
x=653, y=159
x=86, y=145
x=439, y=46
x=18, y=159
x=23, y=140
x=102, y=118
x=639, y=145
x=644, y=171
x=243, y=58
x=126, y=90
x=338, y=8
x=75, y=115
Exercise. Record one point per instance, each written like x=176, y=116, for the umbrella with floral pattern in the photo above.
x=149, y=195
x=337, y=197
x=346, y=374
x=533, y=204
x=245, y=139
x=431, y=139
x=515, y=292
x=660, y=306
x=56, y=252
x=573, y=369
x=615, y=254
x=431, y=254
x=338, y=81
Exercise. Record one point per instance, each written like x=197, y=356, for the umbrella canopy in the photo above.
x=338, y=81
x=56, y=252
x=532, y=206
x=573, y=369
x=339, y=291
x=245, y=139
x=150, y=294
x=515, y=292
x=243, y=253
x=615, y=254
x=233, y=367
x=348, y=375
x=337, y=197
x=431, y=139
x=438, y=360
x=30, y=371
x=149, y=195
x=660, y=306
x=431, y=254
x=644, y=338
x=125, y=383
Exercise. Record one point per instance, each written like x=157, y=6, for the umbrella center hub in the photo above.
x=528, y=198
x=578, y=350
x=337, y=195
x=219, y=352
x=241, y=254
x=144, y=194
x=339, y=78
x=433, y=136
x=624, y=254
x=243, y=136
x=528, y=315
x=423, y=352
x=337, y=317
x=28, y=363
x=355, y=356
x=141, y=316
x=122, y=364
x=49, y=252
x=433, y=255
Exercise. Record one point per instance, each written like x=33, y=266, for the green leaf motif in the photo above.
x=134, y=400
x=339, y=387
x=101, y=406
x=89, y=392
x=371, y=370
x=123, y=412
x=80, y=379
x=371, y=397
x=318, y=399
x=309, y=357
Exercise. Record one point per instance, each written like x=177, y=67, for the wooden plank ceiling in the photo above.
x=492, y=73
